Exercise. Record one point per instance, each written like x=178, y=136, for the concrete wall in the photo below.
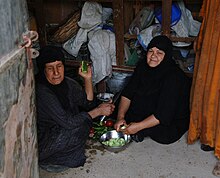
x=18, y=142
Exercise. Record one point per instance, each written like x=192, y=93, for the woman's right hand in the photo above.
x=119, y=123
x=106, y=109
x=86, y=75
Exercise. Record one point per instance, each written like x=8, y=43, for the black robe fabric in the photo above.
x=62, y=128
x=164, y=92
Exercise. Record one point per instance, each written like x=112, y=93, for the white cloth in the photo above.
x=91, y=17
x=72, y=46
x=101, y=42
x=103, y=53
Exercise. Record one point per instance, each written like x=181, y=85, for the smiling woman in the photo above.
x=155, y=102
x=155, y=56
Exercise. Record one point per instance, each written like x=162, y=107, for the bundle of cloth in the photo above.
x=101, y=43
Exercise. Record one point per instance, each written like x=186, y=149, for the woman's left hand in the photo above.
x=132, y=128
x=86, y=75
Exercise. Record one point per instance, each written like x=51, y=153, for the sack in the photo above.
x=175, y=14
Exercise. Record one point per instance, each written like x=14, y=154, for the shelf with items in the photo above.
x=182, y=43
x=124, y=11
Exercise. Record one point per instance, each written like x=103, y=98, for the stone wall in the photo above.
x=18, y=138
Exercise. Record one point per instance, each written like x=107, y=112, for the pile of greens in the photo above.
x=115, y=142
x=99, y=129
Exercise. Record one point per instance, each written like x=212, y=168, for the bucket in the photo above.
x=117, y=82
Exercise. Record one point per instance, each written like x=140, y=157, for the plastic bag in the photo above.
x=147, y=34
x=142, y=20
x=186, y=26
x=175, y=14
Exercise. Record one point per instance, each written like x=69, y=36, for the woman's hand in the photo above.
x=132, y=128
x=119, y=123
x=86, y=75
x=106, y=109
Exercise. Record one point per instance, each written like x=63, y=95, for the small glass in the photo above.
x=84, y=65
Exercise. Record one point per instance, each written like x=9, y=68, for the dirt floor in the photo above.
x=147, y=159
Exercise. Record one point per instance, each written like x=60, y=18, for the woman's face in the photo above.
x=54, y=72
x=155, y=56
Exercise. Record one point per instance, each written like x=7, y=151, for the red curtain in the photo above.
x=205, y=92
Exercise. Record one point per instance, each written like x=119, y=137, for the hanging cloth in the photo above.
x=205, y=93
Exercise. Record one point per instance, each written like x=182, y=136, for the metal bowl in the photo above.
x=114, y=134
x=105, y=97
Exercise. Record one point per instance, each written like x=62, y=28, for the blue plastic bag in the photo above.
x=175, y=14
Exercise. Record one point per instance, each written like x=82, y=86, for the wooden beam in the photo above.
x=118, y=18
x=40, y=17
x=166, y=17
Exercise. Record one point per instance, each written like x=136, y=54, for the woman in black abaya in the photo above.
x=155, y=103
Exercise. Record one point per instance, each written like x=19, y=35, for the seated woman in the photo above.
x=64, y=111
x=155, y=102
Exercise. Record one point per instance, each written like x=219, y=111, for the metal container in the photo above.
x=117, y=81
x=114, y=134
x=105, y=97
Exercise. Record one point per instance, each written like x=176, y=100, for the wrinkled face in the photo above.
x=54, y=72
x=155, y=56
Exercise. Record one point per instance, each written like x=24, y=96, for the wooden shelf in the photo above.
x=123, y=68
x=76, y=63
x=120, y=20
x=174, y=39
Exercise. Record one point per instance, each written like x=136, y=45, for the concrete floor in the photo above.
x=147, y=159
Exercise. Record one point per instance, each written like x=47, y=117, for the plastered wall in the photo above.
x=18, y=137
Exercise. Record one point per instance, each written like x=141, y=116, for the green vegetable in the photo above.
x=84, y=66
x=99, y=130
x=114, y=142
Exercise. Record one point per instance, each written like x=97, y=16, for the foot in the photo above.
x=137, y=138
x=206, y=147
x=54, y=168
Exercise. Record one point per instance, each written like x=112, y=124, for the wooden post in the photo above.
x=166, y=17
x=118, y=18
x=40, y=16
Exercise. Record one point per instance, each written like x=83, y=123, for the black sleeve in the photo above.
x=132, y=85
x=80, y=96
x=49, y=107
x=170, y=95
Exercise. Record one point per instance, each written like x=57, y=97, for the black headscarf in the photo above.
x=51, y=54
x=48, y=54
x=163, y=43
